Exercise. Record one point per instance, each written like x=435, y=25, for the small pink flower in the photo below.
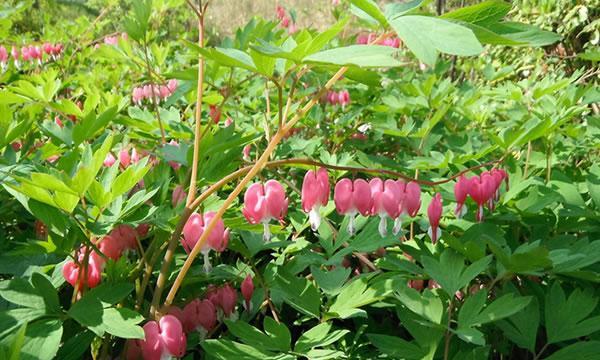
x=193, y=230
x=461, y=190
x=412, y=199
x=344, y=98
x=109, y=160
x=434, y=212
x=387, y=199
x=262, y=203
x=215, y=113
x=352, y=198
x=228, y=122
x=71, y=269
x=247, y=289
x=58, y=122
x=246, y=152
x=178, y=195
x=200, y=315
x=124, y=158
x=315, y=193
x=172, y=85
x=228, y=299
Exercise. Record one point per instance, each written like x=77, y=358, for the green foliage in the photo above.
x=486, y=85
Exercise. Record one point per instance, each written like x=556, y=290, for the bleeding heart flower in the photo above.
x=434, y=212
x=461, y=190
x=163, y=339
x=217, y=239
x=71, y=270
x=215, y=113
x=352, y=198
x=178, y=195
x=387, y=199
x=109, y=160
x=263, y=203
x=412, y=199
x=198, y=315
x=247, y=288
x=315, y=193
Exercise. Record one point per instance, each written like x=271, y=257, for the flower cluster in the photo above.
x=219, y=303
x=364, y=39
x=29, y=53
x=151, y=92
x=112, y=246
x=285, y=20
x=393, y=199
x=484, y=189
x=337, y=98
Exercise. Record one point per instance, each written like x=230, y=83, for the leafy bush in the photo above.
x=390, y=187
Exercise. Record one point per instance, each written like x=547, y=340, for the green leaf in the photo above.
x=45, y=288
x=491, y=11
x=396, y=347
x=572, y=320
x=227, y=349
x=299, y=293
x=74, y=347
x=522, y=327
x=42, y=340
x=395, y=10
x=278, y=333
x=427, y=305
x=253, y=336
x=582, y=350
x=370, y=8
x=331, y=281
x=128, y=179
x=426, y=36
x=319, y=336
x=474, y=312
x=450, y=272
x=354, y=295
x=366, y=56
x=20, y=292
x=17, y=345
x=593, y=184
x=229, y=57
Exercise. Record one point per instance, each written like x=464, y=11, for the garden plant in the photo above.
x=414, y=180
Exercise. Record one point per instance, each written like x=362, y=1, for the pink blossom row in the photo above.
x=153, y=91
x=337, y=98
x=30, y=53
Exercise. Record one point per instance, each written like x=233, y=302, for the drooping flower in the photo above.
x=481, y=190
x=109, y=160
x=198, y=315
x=263, y=203
x=434, y=212
x=315, y=193
x=352, y=198
x=214, y=113
x=412, y=199
x=163, y=339
x=387, y=199
x=228, y=299
x=71, y=269
x=124, y=158
x=178, y=195
x=247, y=289
x=194, y=228
x=461, y=190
